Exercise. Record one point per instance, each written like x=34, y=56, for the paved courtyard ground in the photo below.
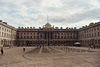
x=58, y=56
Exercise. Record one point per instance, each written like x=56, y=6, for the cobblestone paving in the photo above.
x=48, y=57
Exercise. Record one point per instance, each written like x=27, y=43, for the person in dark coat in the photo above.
x=94, y=46
x=24, y=48
x=1, y=50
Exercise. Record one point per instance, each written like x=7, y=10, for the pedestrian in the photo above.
x=24, y=48
x=94, y=46
x=1, y=50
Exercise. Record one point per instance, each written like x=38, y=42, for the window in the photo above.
x=21, y=37
x=94, y=34
x=17, y=37
x=65, y=37
x=34, y=37
x=2, y=33
x=94, y=29
x=87, y=31
x=27, y=33
x=61, y=33
x=40, y=36
x=97, y=28
x=58, y=37
x=98, y=33
x=73, y=36
x=27, y=37
x=18, y=33
x=55, y=36
x=62, y=37
x=31, y=37
x=68, y=37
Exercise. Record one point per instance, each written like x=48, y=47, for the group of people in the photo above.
x=3, y=51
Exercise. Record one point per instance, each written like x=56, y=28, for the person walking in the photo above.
x=94, y=46
x=1, y=50
x=24, y=48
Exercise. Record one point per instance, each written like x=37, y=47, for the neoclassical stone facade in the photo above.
x=90, y=34
x=7, y=34
x=49, y=35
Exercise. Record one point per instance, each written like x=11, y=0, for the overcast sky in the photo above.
x=62, y=13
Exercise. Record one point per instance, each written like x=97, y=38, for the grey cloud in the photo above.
x=30, y=3
x=88, y=15
x=8, y=5
x=55, y=9
x=91, y=14
x=99, y=0
x=72, y=4
x=57, y=19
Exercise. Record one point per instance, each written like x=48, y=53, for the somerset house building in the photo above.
x=49, y=35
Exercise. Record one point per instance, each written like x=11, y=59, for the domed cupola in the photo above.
x=47, y=25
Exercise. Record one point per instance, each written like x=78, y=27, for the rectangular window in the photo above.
x=21, y=37
x=27, y=37
x=2, y=33
x=24, y=37
x=31, y=37
x=34, y=37
x=27, y=33
x=2, y=28
x=97, y=28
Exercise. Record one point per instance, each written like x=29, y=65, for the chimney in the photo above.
x=0, y=20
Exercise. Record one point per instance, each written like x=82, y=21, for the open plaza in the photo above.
x=50, y=56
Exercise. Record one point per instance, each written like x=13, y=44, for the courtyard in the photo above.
x=50, y=56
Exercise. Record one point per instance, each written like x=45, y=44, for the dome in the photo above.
x=47, y=24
